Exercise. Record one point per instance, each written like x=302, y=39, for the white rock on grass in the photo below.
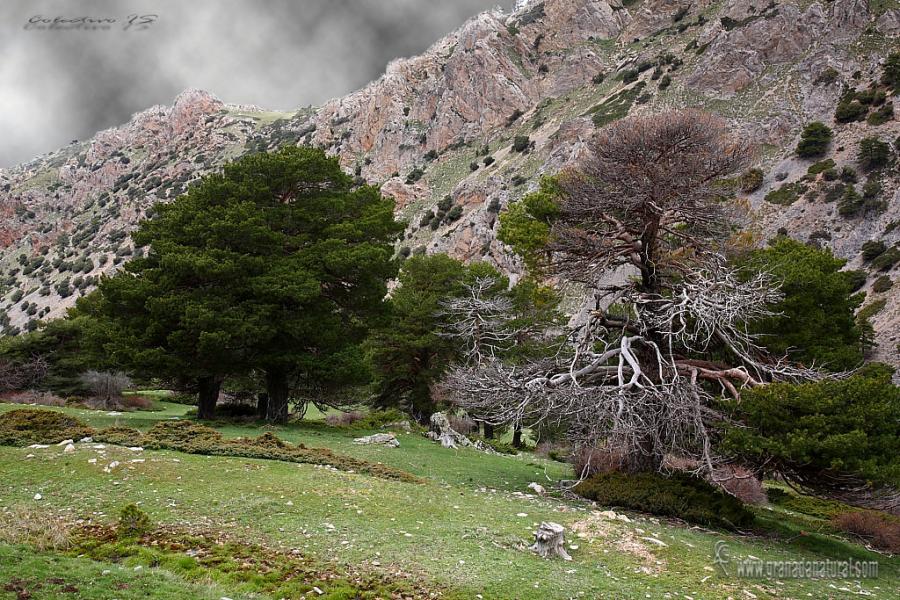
x=655, y=541
x=38, y=497
x=86, y=440
x=66, y=442
x=69, y=449
x=538, y=488
x=38, y=446
x=383, y=439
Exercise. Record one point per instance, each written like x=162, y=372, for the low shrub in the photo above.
x=850, y=110
x=679, y=495
x=751, y=180
x=887, y=259
x=787, y=194
x=820, y=167
x=881, y=116
x=378, y=419
x=133, y=522
x=521, y=143
x=880, y=530
x=182, y=398
x=808, y=505
x=873, y=249
x=26, y=426
x=33, y=397
x=343, y=419
x=193, y=438
x=120, y=436
x=882, y=284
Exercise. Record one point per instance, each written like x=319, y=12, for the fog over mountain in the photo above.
x=66, y=81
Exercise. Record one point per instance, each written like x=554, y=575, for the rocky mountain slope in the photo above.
x=456, y=134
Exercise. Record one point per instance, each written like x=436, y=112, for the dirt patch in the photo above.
x=620, y=536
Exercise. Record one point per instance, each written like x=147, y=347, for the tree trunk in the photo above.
x=488, y=431
x=208, y=388
x=646, y=459
x=262, y=405
x=278, y=390
x=517, y=437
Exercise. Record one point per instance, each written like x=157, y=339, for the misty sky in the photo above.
x=60, y=85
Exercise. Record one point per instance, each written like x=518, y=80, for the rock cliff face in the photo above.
x=443, y=124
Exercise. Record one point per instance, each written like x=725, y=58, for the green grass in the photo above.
x=461, y=529
x=52, y=576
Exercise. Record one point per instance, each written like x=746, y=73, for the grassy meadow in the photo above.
x=462, y=534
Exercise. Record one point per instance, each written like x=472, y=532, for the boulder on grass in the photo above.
x=383, y=439
x=446, y=435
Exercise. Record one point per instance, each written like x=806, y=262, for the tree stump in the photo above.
x=550, y=541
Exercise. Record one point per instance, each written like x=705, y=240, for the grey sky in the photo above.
x=56, y=86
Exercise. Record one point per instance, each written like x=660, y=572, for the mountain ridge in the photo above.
x=550, y=70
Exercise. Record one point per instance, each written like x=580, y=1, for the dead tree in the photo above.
x=22, y=374
x=481, y=319
x=106, y=386
x=640, y=374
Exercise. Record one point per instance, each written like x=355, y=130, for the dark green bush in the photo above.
x=872, y=249
x=873, y=153
x=890, y=71
x=814, y=140
x=445, y=203
x=133, y=522
x=787, y=194
x=887, y=259
x=882, y=284
x=846, y=426
x=679, y=495
x=850, y=110
x=848, y=175
x=521, y=143
x=415, y=175
x=881, y=116
x=120, y=436
x=426, y=218
x=25, y=426
x=851, y=203
x=455, y=213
